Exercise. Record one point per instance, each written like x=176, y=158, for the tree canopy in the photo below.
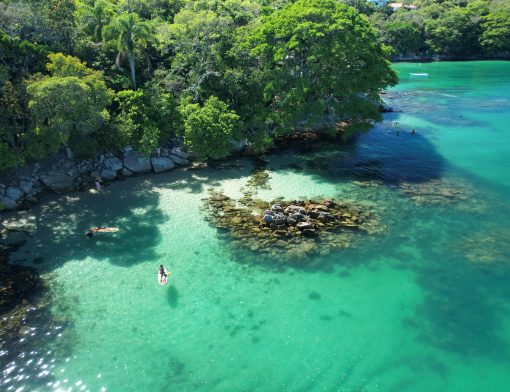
x=214, y=72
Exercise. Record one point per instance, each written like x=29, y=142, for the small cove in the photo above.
x=419, y=307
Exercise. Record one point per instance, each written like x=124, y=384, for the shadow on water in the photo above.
x=462, y=310
x=378, y=155
x=173, y=296
x=60, y=222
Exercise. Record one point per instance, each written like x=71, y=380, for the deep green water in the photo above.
x=422, y=307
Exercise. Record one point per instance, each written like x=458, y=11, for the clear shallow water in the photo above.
x=414, y=309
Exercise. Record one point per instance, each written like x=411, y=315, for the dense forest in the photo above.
x=95, y=75
x=461, y=28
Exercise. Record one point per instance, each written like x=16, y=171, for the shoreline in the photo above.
x=446, y=58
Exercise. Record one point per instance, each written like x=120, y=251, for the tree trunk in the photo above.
x=132, y=66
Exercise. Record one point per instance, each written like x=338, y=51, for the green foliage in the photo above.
x=447, y=27
x=144, y=117
x=313, y=59
x=73, y=99
x=245, y=69
x=496, y=28
x=8, y=158
x=130, y=35
x=209, y=131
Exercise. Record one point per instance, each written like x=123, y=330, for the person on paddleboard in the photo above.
x=162, y=272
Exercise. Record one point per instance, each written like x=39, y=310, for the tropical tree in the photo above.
x=316, y=61
x=496, y=28
x=94, y=17
x=71, y=100
x=131, y=35
x=209, y=131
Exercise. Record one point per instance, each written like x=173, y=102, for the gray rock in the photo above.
x=26, y=186
x=297, y=216
x=162, y=164
x=108, y=174
x=304, y=225
x=58, y=182
x=112, y=163
x=94, y=174
x=8, y=203
x=277, y=208
x=268, y=218
x=295, y=209
x=14, y=193
x=291, y=221
x=137, y=163
x=179, y=160
x=2, y=190
x=69, y=153
x=177, y=151
x=126, y=172
x=279, y=219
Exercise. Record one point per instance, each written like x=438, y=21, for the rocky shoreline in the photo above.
x=62, y=173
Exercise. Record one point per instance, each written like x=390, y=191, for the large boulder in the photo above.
x=179, y=160
x=108, y=174
x=14, y=193
x=137, y=163
x=8, y=204
x=162, y=164
x=113, y=164
x=177, y=151
x=58, y=182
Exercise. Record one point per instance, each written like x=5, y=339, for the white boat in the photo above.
x=419, y=74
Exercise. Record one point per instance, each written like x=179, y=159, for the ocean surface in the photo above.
x=422, y=306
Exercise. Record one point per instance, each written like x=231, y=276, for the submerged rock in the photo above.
x=282, y=230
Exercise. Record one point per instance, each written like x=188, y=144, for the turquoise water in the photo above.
x=422, y=306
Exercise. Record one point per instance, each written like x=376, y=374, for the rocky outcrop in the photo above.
x=137, y=162
x=161, y=164
x=288, y=230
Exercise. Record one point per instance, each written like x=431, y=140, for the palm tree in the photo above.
x=95, y=17
x=131, y=34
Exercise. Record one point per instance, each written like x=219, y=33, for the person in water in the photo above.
x=162, y=272
x=90, y=234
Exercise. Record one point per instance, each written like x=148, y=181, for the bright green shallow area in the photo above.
x=402, y=311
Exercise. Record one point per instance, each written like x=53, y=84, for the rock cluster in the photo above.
x=289, y=229
x=63, y=174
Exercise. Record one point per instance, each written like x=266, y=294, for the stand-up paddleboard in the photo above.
x=162, y=279
x=423, y=74
x=104, y=229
